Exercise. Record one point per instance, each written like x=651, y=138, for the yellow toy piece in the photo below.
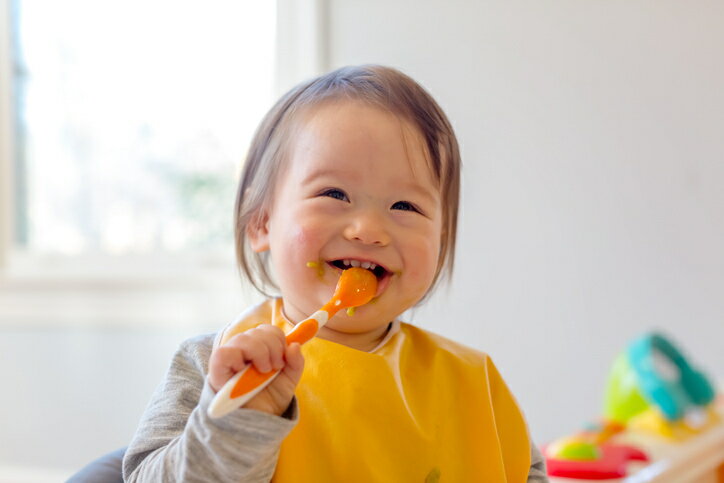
x=653, y=422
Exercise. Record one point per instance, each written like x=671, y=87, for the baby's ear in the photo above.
x=257, y=231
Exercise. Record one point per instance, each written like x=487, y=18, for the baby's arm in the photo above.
x=177, y=441
x=537, y=473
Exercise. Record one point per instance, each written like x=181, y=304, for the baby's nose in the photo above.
x=367, y=228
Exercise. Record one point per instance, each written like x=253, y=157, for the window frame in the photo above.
x=7, y=128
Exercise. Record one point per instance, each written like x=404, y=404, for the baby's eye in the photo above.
x=404, y=206
x=335, y=193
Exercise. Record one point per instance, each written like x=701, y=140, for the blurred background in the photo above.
x=592, y=136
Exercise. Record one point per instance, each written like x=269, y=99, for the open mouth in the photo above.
x=383, y=275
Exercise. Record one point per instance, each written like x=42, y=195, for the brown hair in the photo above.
x=383, y=87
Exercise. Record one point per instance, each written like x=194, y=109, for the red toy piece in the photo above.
x=612, y=463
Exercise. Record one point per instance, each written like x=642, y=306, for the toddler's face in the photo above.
x=356, y=187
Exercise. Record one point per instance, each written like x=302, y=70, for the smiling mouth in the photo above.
x=381, y=273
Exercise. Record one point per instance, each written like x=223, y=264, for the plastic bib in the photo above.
x=419, y=408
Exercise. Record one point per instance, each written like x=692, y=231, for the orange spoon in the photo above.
x=356, y=287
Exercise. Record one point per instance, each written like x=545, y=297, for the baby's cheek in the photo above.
x=421, y=278
x=422, y=270
x=305, y=242
x=419, y=269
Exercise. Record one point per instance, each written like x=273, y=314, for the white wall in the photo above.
x=592, y=135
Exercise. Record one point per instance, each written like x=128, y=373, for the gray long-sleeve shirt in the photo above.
x=177, y=441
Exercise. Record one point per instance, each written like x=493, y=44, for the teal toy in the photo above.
x=653, y=372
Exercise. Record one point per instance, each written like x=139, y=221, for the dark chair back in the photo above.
x=106, y=469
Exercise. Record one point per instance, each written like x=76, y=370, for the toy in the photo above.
x=588, y=455
x=651, y=388
x=611, y=463
x=355, y=287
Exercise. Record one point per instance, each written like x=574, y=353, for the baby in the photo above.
x=358, y=167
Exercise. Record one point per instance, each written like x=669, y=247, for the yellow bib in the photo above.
x=420, y=408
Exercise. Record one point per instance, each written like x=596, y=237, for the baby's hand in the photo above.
x=266, y=348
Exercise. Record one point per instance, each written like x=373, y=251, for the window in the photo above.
x=122, y=130
x=132, y=119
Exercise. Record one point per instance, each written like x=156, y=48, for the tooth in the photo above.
x=355, y=263
x=346, y=262
x=372, y=266
x=365, y=265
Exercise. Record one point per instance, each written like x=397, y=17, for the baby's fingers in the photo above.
x=256, y=348
x=225, y=361
x=262, y=346
x=295, y=363
x=276, y=344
